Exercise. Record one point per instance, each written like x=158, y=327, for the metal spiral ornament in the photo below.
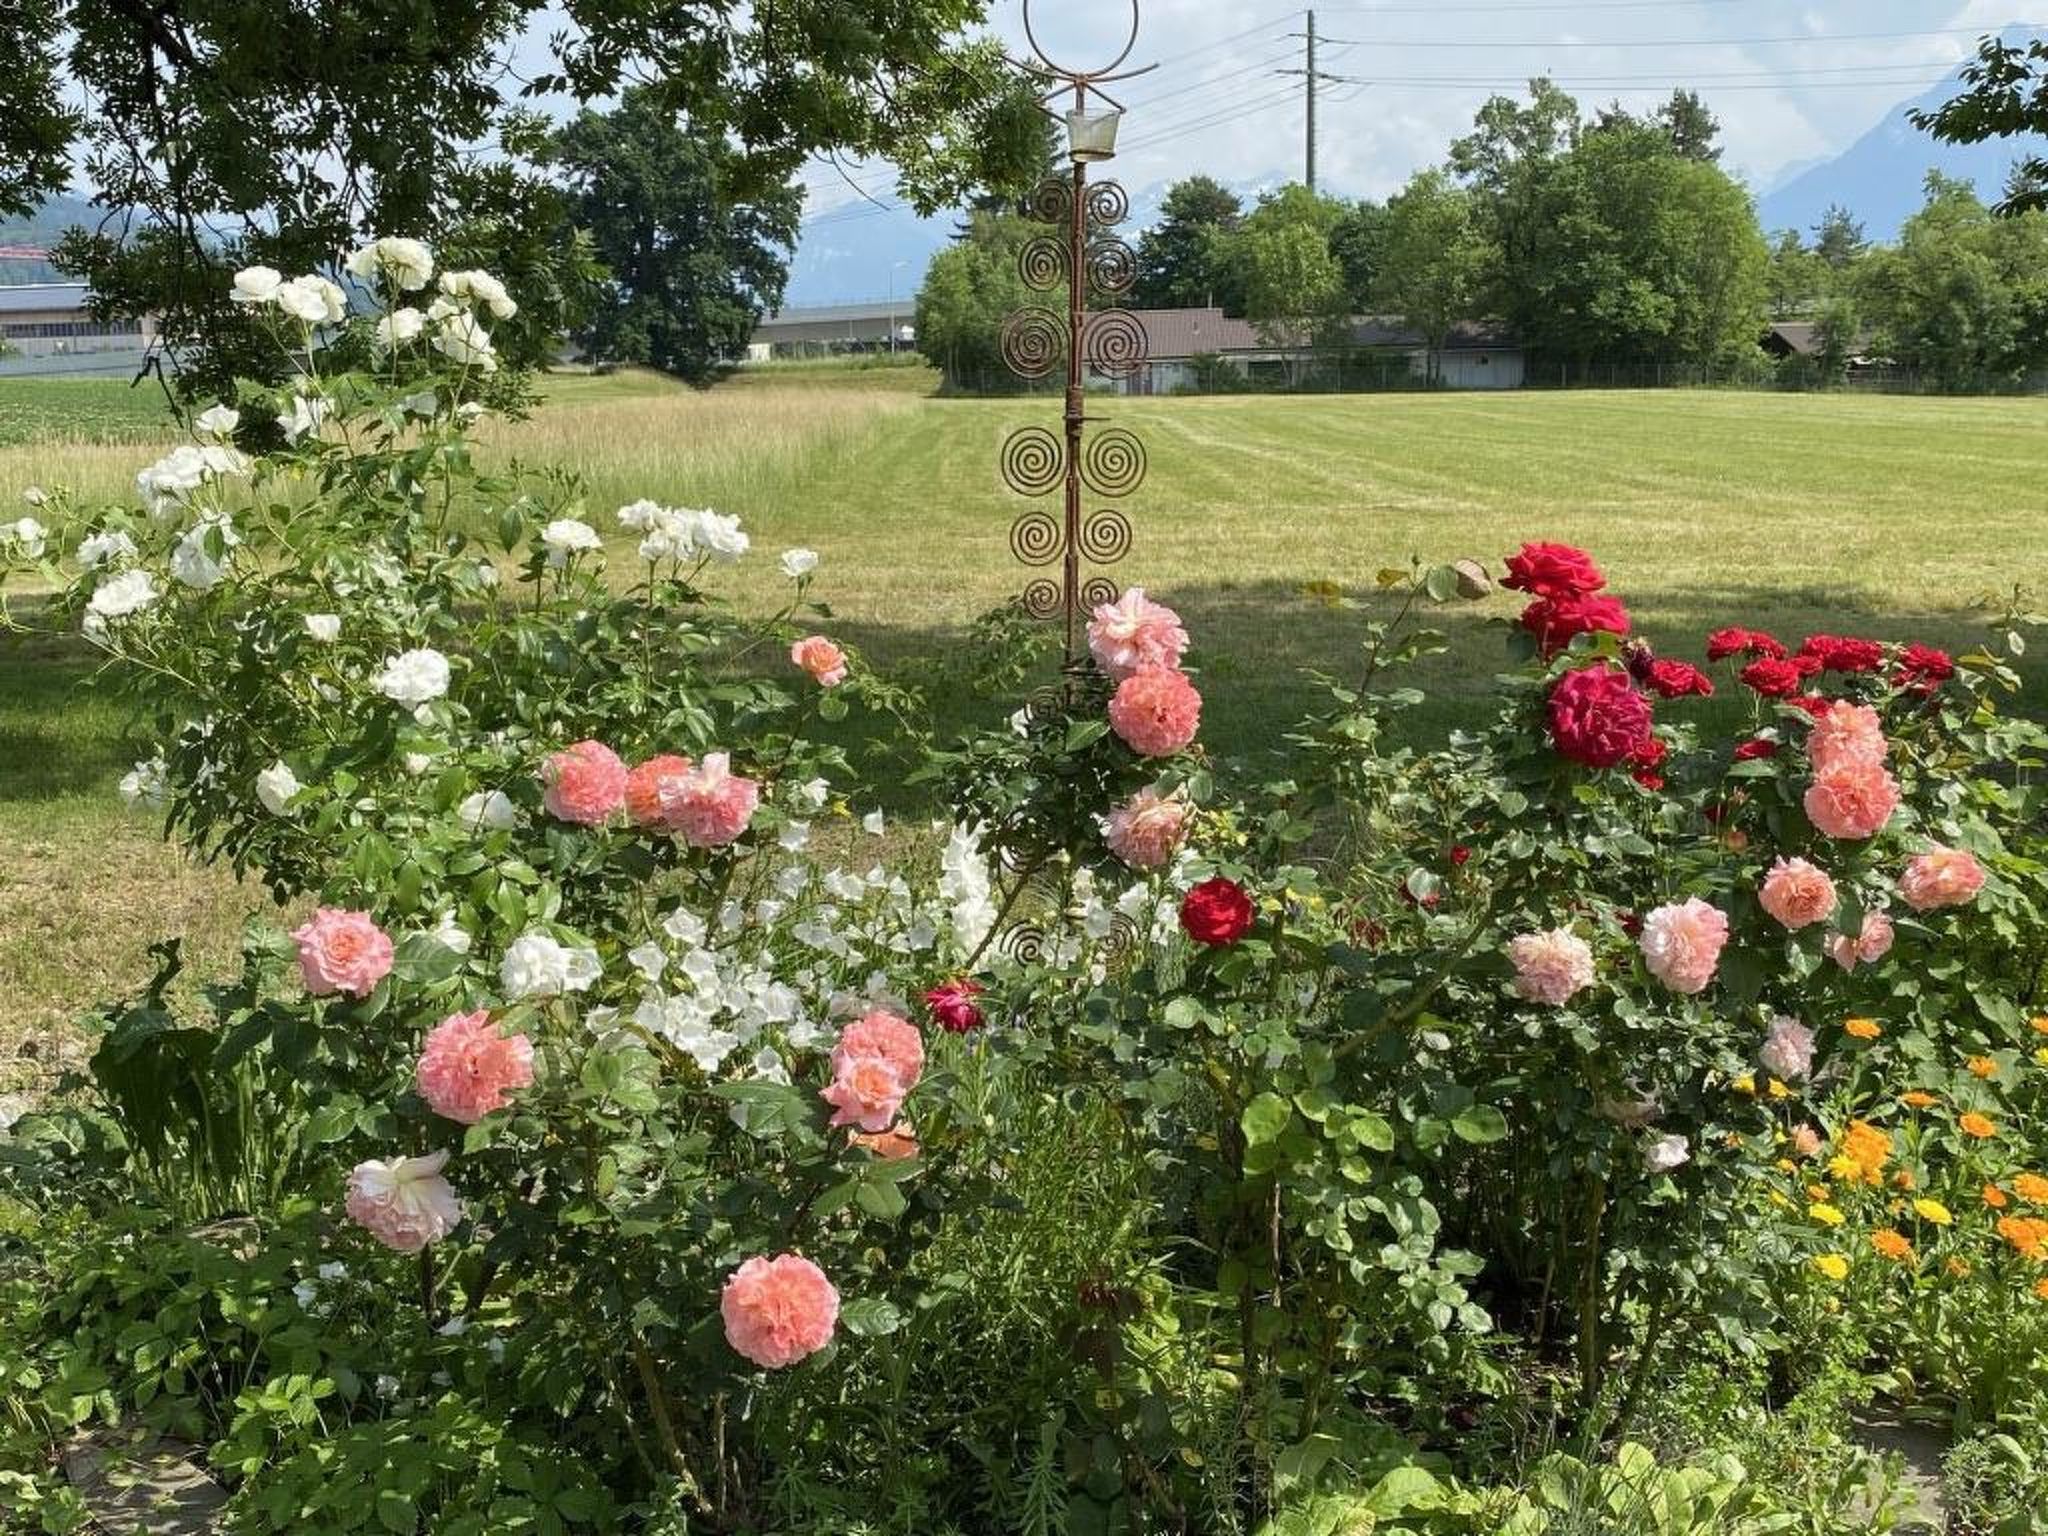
x=1113, y=463
x=1042, y=598
x=1050, y=202
x=1122, y=943
x=1024, y=943
x=1097, y=591
x=1112, y=265
x=1033, y=461
x=1042, y=263
x=1114, y=343
x=1105, y=536
x=1033, y=342
x=1107, y=203
x=1036, y=538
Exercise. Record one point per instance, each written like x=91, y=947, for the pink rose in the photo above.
x=1864, y=948
x=654, y=788
x=1682, y=944
x=404, y=1203
x=1156, y=713
x=712, y=804
x=821, y=658
x=1787, y=1051
x=778, y=1310
x=468, y=1068
x=876, y=1063
x=1135, y=634
x=1941, y=877
x=342, y=952
x=1797, y=893
x=1146, y=830
x=1846, y=732
x=1806, y=1141
x=882, y=1034
x=1551, y=967
x=1852, y=797
x=585, y=783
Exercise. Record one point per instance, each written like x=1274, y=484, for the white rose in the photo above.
x=462, y=340
x=123, y=593
x=26, y=535
x=308, y=299
x=192, y=562
x=408, y=263
x=324, y=627
x=720, y=535
x=811, y=795
x=1667, y=1153
x=799, y=562
x=142, y=787
x=482, y=287
x=412, y=678
x=470, y=410
x=639, y=515
x=257, y=285
x=671, y=535
x=35, y=495
x=168, y=484
x=565, y=537
x=425, y=403
x=488, y=810
x=539, y=965
x=275, y=787
x=107, y=548
x=216, y=421
x=305, y=415
x=417, y=763
x=399, y=327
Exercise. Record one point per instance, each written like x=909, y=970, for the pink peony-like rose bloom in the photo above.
x=1844, y=732
x=712, y=805
x=1156, y=712
x=1550, y=967
x=1941, y=877
x=1797, y=893
x=1867, y=947
x=1147, y=829
x=404, y=1203
x=1787, y=1050
x=585, y=783
x=821, y=658
x=342, y=951
x=778, y=1310
x=882, y=1034
x=653, y=788
x=1682, y=944
x=876, y=1063
x=1851, y=797
x=1135, y=634
x=468, y=1068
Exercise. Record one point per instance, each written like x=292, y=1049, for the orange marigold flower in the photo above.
x=1918, y=1100
x=1983, y=1066
x=2041, y=1024
x=1979, y=1126
x=1995, y=1197
x=1862, y=1029
x=1903, y=1179
x=2028, y=1236
x=1868, y=1148
x=1960, y=1268
x=1892, y=1245
x=2032, y=1188
x=2041, y=1289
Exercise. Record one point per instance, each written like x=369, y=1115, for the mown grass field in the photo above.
x=1898, y=518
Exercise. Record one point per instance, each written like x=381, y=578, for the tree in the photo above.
x=1509, y=160
x=2007, y=98
x=225, y=132
x=1838, y=238
x=1294, y=289
x=1182, y=260
x=1434, y=259
x=1795, y=277
x=969, y=290
x=690, y=272
x=1691, y=128
x=1358, y=242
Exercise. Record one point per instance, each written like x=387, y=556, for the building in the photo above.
x=48, y=330
x=878, y=325
x=1477, y=354
x=1184, y=346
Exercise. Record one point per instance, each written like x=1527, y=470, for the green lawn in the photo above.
x=1899, y=518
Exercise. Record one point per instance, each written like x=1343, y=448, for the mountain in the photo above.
x=1879, y=177
x=41, y=229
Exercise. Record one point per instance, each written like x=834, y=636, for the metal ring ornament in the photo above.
x=1112, y=265
x=1050, y=202
x=1105, y=536
x=1042, y=263
x=1041, y=599
x=1097, y=591
x=1107, y=203
x=1114, y=343
x=1120, y=944
x=1025, y=943
x=1033, y=342
x=1113, y=463
x=1074, y=74
x=1035, y=538
x=1033, y=461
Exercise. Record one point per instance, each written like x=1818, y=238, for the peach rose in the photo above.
x=1550, y=967
x=1867, y=947
x=585, y=783
x=712, y=805
x=1156, y=713
x=821, y=658
x=1941, y=877
x=875, y=1064
x=342, y=952
x=1845, y=732
x=1851, y=797
x=1787, y=1051
x=1146, y=830
x=1682, y=944
x=1135, y=634
x=468, y=1068
x=404, y=1203
x=653, y=789
x=892, y=1145
x=778, y=1310
x=1797, y=893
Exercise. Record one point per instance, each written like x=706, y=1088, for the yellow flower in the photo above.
x=1983, y=1066
x=1960, y=1268
x=1816, y=1191
x=1744, y=1084
x=2041, y=1056
x=1892, y=1245
x=1934, y=1211
x=1979, y=1126
x=1843, y=1166
x=1862, y=1029
x=1785, y=1165
x=1834, y=1265
x=2041, y=1024
x=1778, y=1090
x=1781, y=1199
x=1827, y=1215
x=1918, y=1100
x=2032, y=1188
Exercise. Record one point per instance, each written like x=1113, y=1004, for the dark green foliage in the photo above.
x=2007, y=98
x=1182, y=260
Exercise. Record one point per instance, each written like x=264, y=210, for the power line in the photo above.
x=1683, y=42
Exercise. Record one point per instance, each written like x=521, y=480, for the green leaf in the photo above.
x=1480, y=1124
x=1264, y=1119
x=884, y=1201
x=871, y=1317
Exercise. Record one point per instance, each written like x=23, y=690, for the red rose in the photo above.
x=952, y=1005
x=1742, y=642
x=1554, y=621
x=1645, y=761
x=1922, y=668
x=1597, y=717
x=1553, y=571
x=1459, y=855
x=1754, y=748
x=1774, y=677
x=1812, y=703
x=1677, y=679
x=1838, y=653
x=1216, y=912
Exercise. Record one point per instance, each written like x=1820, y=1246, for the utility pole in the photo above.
x=1311, y=77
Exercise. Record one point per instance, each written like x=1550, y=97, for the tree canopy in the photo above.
x=1183, y=260
x=2007, y=96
